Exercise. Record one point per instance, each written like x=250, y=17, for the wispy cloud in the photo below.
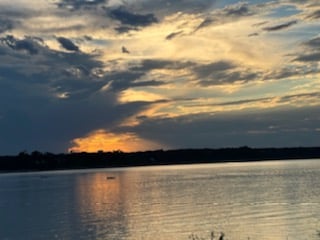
x=280, y=26
x=314, y=15
x=173, y=35
x=223, y=73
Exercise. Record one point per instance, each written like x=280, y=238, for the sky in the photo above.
x=135, y=75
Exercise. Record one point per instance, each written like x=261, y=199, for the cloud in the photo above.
x=205, y=23
x=67, y=44
x=309, y=52
x=132, y=19
x=260, y=24
x=125, y=29
x=240, y=9
x=138, y=74
x=152, y=83
x=314, y=15
x=280, y=26
x=173, y=35
x=53, y=97
x=122, y=80
x=229, y=13
x=313, y=43
x=244, y=102
x=79, y=4
x=266, y=128
x=253, y=34
x=294, y=99
x=5, y=25
x=290, y=72
x=221, y=78
x=167, y=7
x=29, y=44
x=301, y=97
x=152, y=64
x=309, y=57
x=206, y=70
x=223, y=72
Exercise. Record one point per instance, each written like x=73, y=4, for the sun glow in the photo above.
x=101, y=140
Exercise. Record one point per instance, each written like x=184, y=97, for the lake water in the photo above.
x=267, y=200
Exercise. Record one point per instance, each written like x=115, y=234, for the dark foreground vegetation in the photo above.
x=37, y=161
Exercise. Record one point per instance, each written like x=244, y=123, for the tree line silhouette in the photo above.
x=38, y=161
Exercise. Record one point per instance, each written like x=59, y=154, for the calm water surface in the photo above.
x=266, y=200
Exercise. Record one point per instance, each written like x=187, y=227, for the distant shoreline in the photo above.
x=37, y=161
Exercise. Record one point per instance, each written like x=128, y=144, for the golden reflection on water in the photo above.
x=98, y=193
x=173, y=203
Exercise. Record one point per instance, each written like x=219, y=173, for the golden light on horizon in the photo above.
x=106, y=141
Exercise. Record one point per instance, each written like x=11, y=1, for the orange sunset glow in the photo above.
x=103, y=141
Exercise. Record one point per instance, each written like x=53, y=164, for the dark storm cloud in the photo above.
x=54, y=97
x=67, y=44
x=52, y=67
x=280, y=26
x=79, y=4
x=29, y=44
x=277, y=127
x=132, y=19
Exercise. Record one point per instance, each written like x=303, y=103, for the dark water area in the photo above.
x=261, y=200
